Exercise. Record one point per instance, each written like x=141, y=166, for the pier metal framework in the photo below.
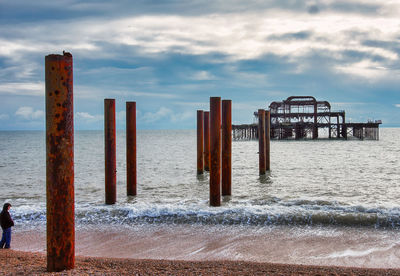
x=303, y=117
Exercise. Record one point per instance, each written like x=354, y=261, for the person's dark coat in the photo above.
x=5, y=218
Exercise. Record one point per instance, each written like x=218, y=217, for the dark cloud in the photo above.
x=313, y=9
x=40, y=10
x=292, y=36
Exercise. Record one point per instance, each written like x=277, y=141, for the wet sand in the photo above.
x=366, y=248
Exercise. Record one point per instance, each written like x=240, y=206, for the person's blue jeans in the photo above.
x=6, y=238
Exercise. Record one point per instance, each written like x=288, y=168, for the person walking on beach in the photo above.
x=6, y=224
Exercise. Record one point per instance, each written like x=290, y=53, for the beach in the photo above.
x=209, y=250
x=27, y=263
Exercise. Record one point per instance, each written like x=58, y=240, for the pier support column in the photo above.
x=207, y=141
x=267, y=140
x=215, y=151
x=131, y=174
x=200, y=149
x=261, y=141
x=60, y=200
x=110, y=151
x=226, y=147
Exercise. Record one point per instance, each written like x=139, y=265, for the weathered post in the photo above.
x=267, y=140
x=261, y=141
x=200, y=149
x=131, y=175
x=60, y=163
x=207, y=141
x=215, y=151
x=226, y=147
x=110, y=154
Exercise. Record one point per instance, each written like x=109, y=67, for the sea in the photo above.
x=314, y=186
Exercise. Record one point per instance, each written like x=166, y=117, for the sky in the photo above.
x=171, y=56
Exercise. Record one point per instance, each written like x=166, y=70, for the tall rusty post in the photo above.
x=215, y=151
x=131, y=175
x=207, y=141
x=60, y=163
x=226, y=147
x=110, y=151
x=200, y=142
x=267, y=140
x=261, y=141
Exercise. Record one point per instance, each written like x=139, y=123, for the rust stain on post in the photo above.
x=131, y=175
x=207, y=141
x=215, y=151
x=110, y=151
x=60, y=163
x=267, y=140
x=226, y=147
x=261, y=140
x=200, y=161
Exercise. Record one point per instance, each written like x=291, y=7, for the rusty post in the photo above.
x=226, y=147
x=267, y=140
x=131, y=176
x=60, y=163
x=215, y=151
x=261, y=141
x=200, y=159
x=207, y=141
x=110, y=154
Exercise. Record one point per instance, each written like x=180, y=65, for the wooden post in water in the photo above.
x=131, y=175
x=215, y=151
x=207, y=141
x=226, y=147
x=60, y=163
x=261, y=141
x=200, y=142
x=110, y=151
x=267, y=140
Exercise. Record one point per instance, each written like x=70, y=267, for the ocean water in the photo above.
x=314, y=184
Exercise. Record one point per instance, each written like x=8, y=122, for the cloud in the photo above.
x=397, y=105
x=22, y=89
x=202, y=75
x=4, y=116
x=178, y=117
x=150, y=117
x=28, y=113
x=88, y=117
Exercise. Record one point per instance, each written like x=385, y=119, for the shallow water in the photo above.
x=329, y=183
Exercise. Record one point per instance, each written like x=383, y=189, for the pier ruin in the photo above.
x=303, y=117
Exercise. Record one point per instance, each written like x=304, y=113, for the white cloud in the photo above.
x=179, y=117
x=28, y=113
x=121, y=116
x=88, y=117
x=150, y=117
x=364, y=69
x=203, y=75
x=23, y=89
x=397, y=105
x=4, y=117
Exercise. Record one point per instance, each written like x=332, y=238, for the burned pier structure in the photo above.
x=303, y=117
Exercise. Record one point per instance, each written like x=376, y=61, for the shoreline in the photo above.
x=29, y=263
x=345, y=247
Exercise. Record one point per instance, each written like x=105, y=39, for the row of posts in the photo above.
x=110, y=150
x=60, y=155
x=60, y=213
x=211, y=155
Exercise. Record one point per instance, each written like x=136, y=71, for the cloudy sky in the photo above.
x=171, y=56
